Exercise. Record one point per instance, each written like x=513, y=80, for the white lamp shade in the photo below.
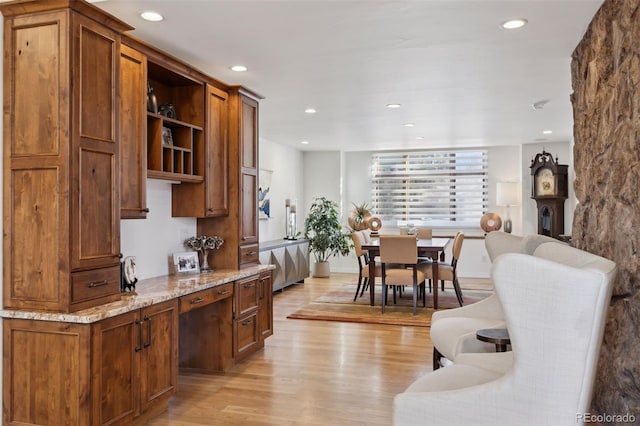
x=508, y=194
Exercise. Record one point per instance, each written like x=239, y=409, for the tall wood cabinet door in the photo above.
x=36, y=181
x=248, y=170
x=249, y=133
x=159, y=354
x=133, y=134
x=95, y=188
x=217, y=159
x=116, y=344
x=249, y=209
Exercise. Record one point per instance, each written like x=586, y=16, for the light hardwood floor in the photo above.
x=309, y=373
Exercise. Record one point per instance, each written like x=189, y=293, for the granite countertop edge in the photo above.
x=148, y=292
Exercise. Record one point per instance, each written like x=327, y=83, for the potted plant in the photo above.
x=323, y=230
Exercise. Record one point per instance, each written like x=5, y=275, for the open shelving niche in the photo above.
x=183, y=159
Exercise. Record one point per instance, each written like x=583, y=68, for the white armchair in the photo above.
x=453, y=331
x=554, y=305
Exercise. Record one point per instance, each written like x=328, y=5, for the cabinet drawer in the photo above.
x=246, y=296
x=205, y=297
x=249, y=254
x=246, y=335
x=94, y=287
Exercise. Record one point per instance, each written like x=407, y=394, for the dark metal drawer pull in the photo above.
x=148, y=343
x=249, y=285
x=247, y=322
x=98, y=284
x=251, y=253
x=139, y=348
x=221, y=292
x=195, y=301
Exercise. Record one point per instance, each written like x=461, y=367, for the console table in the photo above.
x=290, y=258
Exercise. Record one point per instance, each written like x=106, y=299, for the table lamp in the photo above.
x=508, y=194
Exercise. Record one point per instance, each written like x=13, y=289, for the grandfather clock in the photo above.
x=549, y=187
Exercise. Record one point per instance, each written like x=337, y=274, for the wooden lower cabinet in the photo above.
x=120, y=370
x=135, y=363
x=123, y=370
x=46, y=373
x=265, y=305
x=253, y=314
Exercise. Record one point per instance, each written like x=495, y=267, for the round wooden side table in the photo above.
x=497, y=336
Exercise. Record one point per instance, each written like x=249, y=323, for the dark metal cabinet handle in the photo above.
x=93, y=284
x=139, y=348
x=196, y=301
x=251, y=253
x=221, y=292
x=249, y=285
x=145, y=210
x=247, y=322
x=148, y=320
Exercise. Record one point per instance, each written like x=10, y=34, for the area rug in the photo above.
x=338, y=305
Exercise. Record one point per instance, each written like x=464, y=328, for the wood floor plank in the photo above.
x=309, y=373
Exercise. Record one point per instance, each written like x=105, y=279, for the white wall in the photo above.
x=154, y=240
x=286, y=183
x=322, y=177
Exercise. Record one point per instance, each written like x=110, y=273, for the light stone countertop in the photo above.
x=148, y=292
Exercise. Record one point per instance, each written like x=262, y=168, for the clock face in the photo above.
x=545, y=182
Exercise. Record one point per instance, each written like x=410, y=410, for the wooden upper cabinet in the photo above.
x=249, y=132
x=248, y=137
x=175, y=139
x=210, y=197
x=217, y=159
x=61, y=168
x=133, y=134
x=95, y=168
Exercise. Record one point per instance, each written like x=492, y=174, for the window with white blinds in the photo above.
x=430, y=188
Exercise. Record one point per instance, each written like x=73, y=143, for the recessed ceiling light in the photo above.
x=393, y=106
x=409, y=124
x=310, y=110
x=420, y=138
x=151, y=16
x=513, y=24
x=547, y=132
x=304, y=142
x=238, y=68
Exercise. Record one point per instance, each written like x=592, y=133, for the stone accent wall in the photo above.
x=606, y=103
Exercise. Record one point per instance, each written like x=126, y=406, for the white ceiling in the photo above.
x=463, y=80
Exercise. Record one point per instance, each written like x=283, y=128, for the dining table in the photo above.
x=432, y=248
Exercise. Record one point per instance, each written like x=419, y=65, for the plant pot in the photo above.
x=321, y=269
x=358, y=222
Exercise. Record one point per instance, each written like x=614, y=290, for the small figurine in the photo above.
x=129, y=278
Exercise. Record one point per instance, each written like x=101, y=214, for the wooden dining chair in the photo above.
x=449, y=272
x=364, y=280
x=424, y=233
x=400, y=266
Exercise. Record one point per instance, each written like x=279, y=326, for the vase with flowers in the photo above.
x=203, y=245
